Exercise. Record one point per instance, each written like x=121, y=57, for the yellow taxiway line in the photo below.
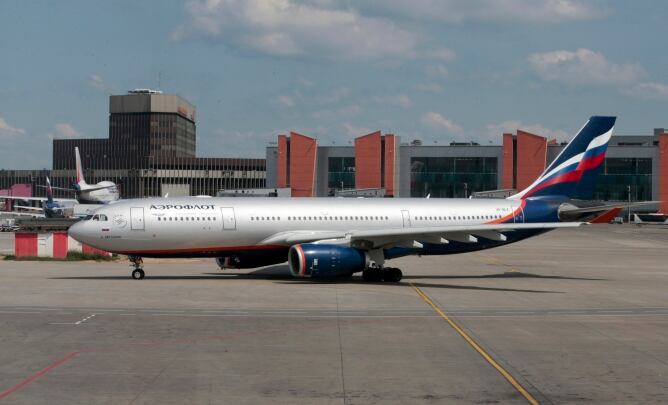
x=509, y=377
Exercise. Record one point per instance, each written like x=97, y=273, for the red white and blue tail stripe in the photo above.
x=573, y=173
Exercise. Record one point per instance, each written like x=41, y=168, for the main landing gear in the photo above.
x=138, y=272
x=377, y=274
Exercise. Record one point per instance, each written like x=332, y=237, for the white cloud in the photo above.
x=444, y=54
x=96, y=82
x=429, y=87
x=438, y=71
x=305, y=82
x=583, y=67
x=354, y=131
x=399, y=100
x=337, y=114
x=286, y=101
x=289, y=29
x=506, y=11
x=8, y=131
x=437, y=121
x=495, y=130
x=64, y=130
x=649, y=91
x=334, y=96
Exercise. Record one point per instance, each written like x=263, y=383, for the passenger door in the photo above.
x=406, y=216
x=229, y=220
x=137, y=218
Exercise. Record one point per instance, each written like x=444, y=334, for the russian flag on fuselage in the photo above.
x=573, y=173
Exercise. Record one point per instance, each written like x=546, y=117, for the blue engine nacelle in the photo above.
x=321, y=261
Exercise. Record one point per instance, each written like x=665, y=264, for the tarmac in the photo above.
x=573, y=316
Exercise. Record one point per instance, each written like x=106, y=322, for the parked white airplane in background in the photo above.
x=103, y=192
x=325, y=237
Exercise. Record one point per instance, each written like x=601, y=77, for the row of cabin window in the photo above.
x=334, y=218
x=187, y=218
x=451, y=217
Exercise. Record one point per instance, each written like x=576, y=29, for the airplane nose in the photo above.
x=76, y=231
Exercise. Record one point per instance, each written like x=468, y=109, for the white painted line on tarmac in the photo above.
x=19, y=312
x=84, y=320
x=166, y=311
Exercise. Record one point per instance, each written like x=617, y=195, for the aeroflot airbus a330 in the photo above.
x=325, y=237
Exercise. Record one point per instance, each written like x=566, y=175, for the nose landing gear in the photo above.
x=138, y=272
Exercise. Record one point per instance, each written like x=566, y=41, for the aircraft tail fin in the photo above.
x=81, y=182
x=574, y=172
x=49, y=193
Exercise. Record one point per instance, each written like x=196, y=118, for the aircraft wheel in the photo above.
x=138, y=274
x=392, y=275
x=372, y=275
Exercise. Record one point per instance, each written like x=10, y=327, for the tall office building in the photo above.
x=152, y=124
x=151, y=152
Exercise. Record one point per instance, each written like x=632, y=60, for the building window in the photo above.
x=340, y=173
x=618, y=174
x=449, y=177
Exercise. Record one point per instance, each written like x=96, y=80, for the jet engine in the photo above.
x=249, y=261
x=322, y=261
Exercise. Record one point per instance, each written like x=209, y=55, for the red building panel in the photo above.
x=390, y=163
x=368, y=157
x=663, y=173
x=303, y=158
x=507, y=176
x=282, y=162
x=531, y=157
x=60, y=244
x=25, y=244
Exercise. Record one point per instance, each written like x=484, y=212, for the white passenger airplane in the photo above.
x=103, y=192
x=328, y=237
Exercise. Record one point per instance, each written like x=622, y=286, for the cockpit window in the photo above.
x=96, y=217
x=88, y=217
x=103, y=217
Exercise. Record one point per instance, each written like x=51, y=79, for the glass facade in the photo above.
x=341, y=173
x=619, y=173
x=448, y=177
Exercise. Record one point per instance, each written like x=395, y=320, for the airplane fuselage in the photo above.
x=217, y=227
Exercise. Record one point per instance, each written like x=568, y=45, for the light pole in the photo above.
x=628, y=189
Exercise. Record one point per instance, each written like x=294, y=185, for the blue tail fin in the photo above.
x=49, y=193
x=573, y=173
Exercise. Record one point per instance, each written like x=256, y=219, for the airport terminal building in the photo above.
x=150, y=152
x=398, y=169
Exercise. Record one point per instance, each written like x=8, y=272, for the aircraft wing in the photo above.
x=389, y=237
x=22, y=214
x=37, y=199
x=23, y=207
x=57, y=188
x=95, y=188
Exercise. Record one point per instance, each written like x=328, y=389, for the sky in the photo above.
x=434, y=70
